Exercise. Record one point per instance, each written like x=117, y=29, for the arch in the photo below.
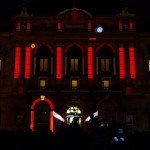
x=109, y=45
x=47, y=45
x=81, y=10
x=71, y=44
x=32, y=112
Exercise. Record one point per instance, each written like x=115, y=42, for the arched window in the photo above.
x=43, y=56
x=105, y=59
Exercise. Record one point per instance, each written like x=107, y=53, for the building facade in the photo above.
x=73, y=64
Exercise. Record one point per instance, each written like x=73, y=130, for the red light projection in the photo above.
x=131, y=25
x=58, y=63
x=28, y=25
x=17, y=62
x=59, y=25
x=132, y=62
x=27, y=62
x=92, y=39
x=89, y=25
x=121, y=63
x=90, y=63
x=120, y=25
x=18, y=25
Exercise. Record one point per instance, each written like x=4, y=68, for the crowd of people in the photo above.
x=70, y=138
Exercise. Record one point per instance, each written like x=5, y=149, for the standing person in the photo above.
x=113, y=127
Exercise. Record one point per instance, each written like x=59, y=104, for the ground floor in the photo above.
x=52, y=111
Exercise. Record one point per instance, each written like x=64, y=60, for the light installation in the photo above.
x=32, y=45
x=120, y=25
x=32, y=112
x=89, y=25
x=90, y=63
x=121, y=63
x=131, y=25
x=58, y=63
x=132, y=62
x=59, y=25
x=92, y=39
x=18, y=25
x=88, y=118
x=27, y=62
x=28, y=25
x=17, y=62
x=59, y=117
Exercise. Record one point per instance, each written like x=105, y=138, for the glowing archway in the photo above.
x=47, y=45
x=32, y=112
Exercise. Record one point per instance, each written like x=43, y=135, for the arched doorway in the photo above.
x=41, y=114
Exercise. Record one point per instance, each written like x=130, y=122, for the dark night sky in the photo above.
x=9, y=8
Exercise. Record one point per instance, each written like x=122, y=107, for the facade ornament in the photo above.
x=24, y=13
x=125, y=13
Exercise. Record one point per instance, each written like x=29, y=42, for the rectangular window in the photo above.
x=149, y=65
x=28, y=25
x=104, y=65
x=42, y=84
x=120, y=25
x=18, y=25
x=106, y=84
x=131, y=25
x=74, y=84
x=43, y=64
x=74, y=64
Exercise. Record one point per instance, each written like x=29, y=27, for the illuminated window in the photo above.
x=121, y=63
x=27, y=62
x=74, y=84
x=58, y=63
x=104, y=65
x=74, y=64
x=106, y=84
x=42, y=84
x=43, y=64
x=90, y=63
x=120, y=25
x=28, y=25
x=18, y=25
x=149, y=65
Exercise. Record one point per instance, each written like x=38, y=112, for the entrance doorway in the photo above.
x=73, y=112
x=41, y=114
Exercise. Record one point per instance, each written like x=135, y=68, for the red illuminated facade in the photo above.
x=72, y=65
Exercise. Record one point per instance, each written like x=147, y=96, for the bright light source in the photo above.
x=116, y=139
x=95, y=114
x=99, y=29
x=32, y=45
x=122, y=139
x=56, y=115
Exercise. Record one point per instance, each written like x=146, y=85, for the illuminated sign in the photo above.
x=95, y=114
x=56, y=115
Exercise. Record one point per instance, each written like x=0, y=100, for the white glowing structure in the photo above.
x=99, y=29
x=59, y=117
x=88, y=118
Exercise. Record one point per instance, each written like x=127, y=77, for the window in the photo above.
x=104, y=65
x=43, y=65
x=74, y=64
x=149, y=65
x=106, y=84
x=42, y=84
x=74, y=84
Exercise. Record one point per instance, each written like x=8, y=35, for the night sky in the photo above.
x=9, y=8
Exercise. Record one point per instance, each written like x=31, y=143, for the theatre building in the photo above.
x=73, y=64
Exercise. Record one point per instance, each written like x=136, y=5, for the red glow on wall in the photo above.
x=59, y=25
x=90, y=63
x=18, y=25
x=121, y=63
x=132, y=62
x=28, y=25
x=89, y=25
x=58, y=63
x=120, y=25
x=131, y=25
x=92, y=39
x=27, y=62
x=17, y=62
